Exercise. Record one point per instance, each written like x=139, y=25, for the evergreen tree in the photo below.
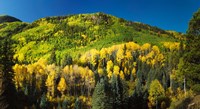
x=119, y=92
x=113, y=89
x=64, y=103
x=66, y=60
x=191, y=59
x=7, y=88
x=77, y=104
x=137, y=101
x=43, y=101
x=59, y=106
x=100, y=98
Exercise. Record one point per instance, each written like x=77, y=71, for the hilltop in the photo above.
x=7, y=18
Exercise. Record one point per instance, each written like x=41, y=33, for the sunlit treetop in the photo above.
x=145, y=47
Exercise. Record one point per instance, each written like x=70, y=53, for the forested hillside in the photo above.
x=96, y=61
x=75, y=34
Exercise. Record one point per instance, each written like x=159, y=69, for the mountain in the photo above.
x=79, y=33
x=7, y=18
x=62, y=60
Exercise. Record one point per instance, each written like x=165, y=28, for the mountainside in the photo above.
x=86, y=60
x=75, y=34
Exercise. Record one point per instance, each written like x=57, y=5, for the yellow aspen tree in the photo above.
x=128, y=55
x=166, y=45
x=103, y=53
x=94, y=55
x=145, y=47
x=109, y=74
x=155, y=91
x=133, y=72
x=160, y=58
x=110, y=50
x=142, y=58
x=19, y=77
x=132, y=46
x=62, y=86
x=153, y=62
x=109, y=68
x=172, y=47
x=90, y=73
x=66, y=69
x=83, y=72
x=135, y=64
x=100, y=72
x=121, y=74
x=156, y=49
x=50, y=81
x=116, y=70
x=31, y=68
x=150, y=55
x=83, y=59
x=120, y=55
x=50, y=85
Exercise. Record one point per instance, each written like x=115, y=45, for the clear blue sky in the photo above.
x=166, y=14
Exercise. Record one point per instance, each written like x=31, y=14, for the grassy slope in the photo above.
x=76, y=34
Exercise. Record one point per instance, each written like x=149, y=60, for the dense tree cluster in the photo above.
x=115, y=73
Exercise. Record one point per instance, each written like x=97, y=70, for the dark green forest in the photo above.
x=97, y=61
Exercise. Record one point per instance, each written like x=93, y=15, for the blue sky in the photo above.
x=166, y=14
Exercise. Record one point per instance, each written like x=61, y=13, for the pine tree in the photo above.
x=100, y=98
x=191, y=59
x=77, y=104
x=7, y=88
x=64, y=103
x=119, y=92
x=113, y=89
x=43, y=101
x=59, y=106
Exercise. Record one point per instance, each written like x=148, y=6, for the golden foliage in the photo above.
x=103, y=53
x=134, y=72
x=131, y=46
x=155, y=49
x=172, y=46
x=62, y=86
x=116, y=70
x=109, y=68
x=128, y=55
x=145, y=47
x=20, y=75
x=155, y=91
x=120, y=55
x=121, y=74
x=100, y=71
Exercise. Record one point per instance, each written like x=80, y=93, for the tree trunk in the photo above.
x=185, y=86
